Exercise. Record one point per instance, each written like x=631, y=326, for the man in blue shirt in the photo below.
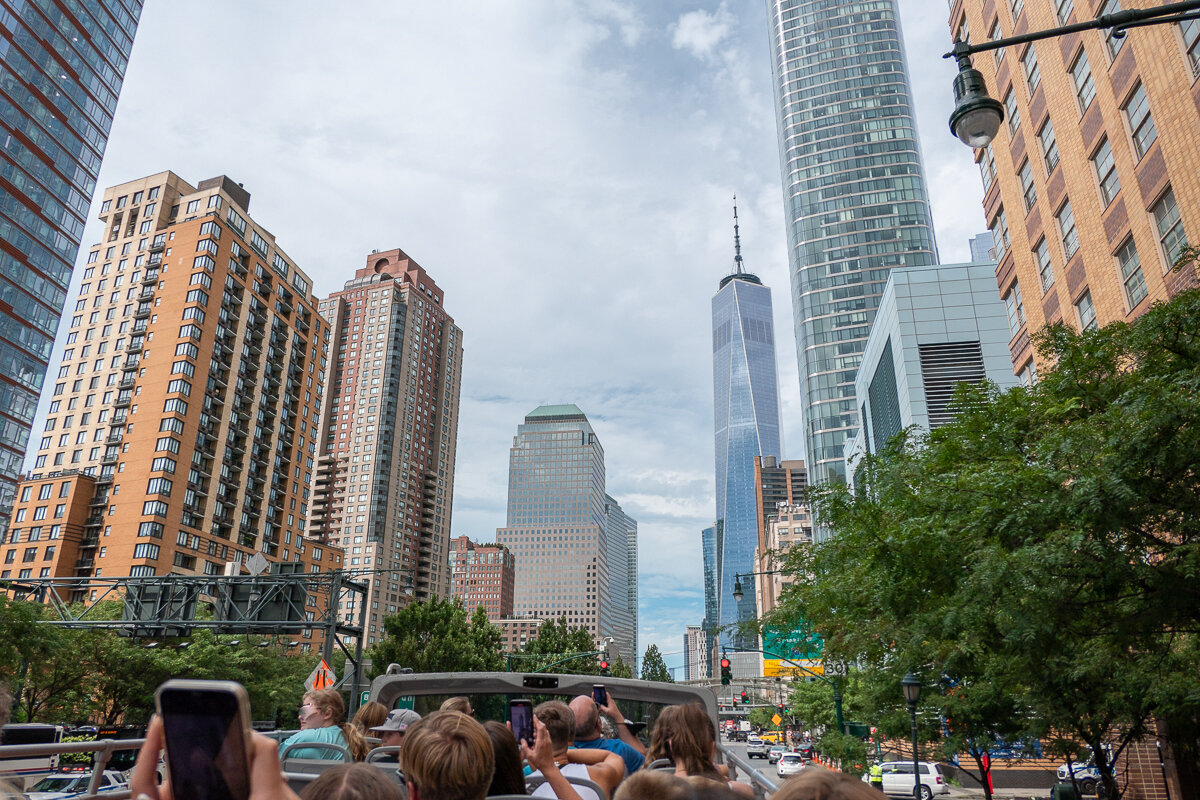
x=588, y=734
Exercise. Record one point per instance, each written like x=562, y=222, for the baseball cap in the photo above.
x=398, y=719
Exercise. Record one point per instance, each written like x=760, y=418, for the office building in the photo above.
x=482, y=575
x=621, y=532
x=982, y=247
x=695, y=654
x=781, y=488
x=710, y=545
x=854, y=194
x=184, y=412
x=745, y=424
x=62, y=67
x=937, y=327
x=389, y=430
x=516, y=632
x=1090, y=183
x=558, y=526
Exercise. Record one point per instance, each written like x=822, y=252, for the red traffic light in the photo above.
x=724, y=663
x=603, y=665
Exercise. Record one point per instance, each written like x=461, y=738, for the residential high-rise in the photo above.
x=695, y=654
x=1089, y=185
x=62, y=67
x=853, y=190
x=621, y=532
x=559, y=525
x=389, y=431
x=482, y=575
x=188, y=395
x=777, y=484
x=745, y=425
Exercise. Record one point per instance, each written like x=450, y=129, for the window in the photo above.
x=198, y=295
x=999, y=229
x=1045, y=268
x=1085, y=89
x=1033, y=76
x=193, y=206
x=987, y=167
x=1028, y=375
x=1112, y=43
x=1049, y=146
x=181, y=386
x=1086, y=312
x=1106, y=172
x=174, y=405
x=166, y=443
x=187, y=349
x=211, y=228
x=1015, y=308
x=1028, y=190
x=154, y=508
x=1017, y=7
x=1191, y=42
x=258, y=243
x=145, y=550
x=235, y=219
x=183, y=368
x=1170, y=227
x=996, y=32
x=1011, y=111
x=1131, y=273
x=1066, y=226
x=46, y=489
x=1141, y=124
x=1063, y=9
x=163, y=464
x=170, y=424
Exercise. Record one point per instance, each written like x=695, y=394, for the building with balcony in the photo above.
x=482, y=575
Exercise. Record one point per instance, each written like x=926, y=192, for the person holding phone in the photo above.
x=589, y=736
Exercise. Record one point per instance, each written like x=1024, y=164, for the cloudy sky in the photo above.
x=564, y=171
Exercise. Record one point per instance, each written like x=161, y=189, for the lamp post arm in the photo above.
x=1120, y=20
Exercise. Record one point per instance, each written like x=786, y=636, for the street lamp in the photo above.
x=738, y=594
x=977, y=116
x=912, y=693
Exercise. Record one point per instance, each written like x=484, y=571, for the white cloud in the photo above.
x=699, y=32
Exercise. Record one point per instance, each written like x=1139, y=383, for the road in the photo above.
x=760, y=764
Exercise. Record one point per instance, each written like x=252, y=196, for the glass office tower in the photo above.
x=61, y=67
x=854, y=194
x=746, y=424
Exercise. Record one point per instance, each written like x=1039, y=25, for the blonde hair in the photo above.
x=448, y=756
x=822, y=784
x=368, y=716
x=684, y=735
x=329, y=702
x=460, y=704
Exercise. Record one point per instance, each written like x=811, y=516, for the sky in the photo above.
x=563, y=169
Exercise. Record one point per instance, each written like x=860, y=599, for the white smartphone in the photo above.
x=206, y=727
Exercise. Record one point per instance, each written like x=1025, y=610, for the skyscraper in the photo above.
x=621, y=531
x=853, y=190
x=1089, y=185
x=695, y=654
x=187, y=399
x=710, y=544
x=61, y=68
x=559, y=526
x=745, y=425
x=389, y=431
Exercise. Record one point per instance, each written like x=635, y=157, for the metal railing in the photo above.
x=761, y=783
x=103, y=749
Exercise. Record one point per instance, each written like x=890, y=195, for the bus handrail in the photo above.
x=103, y=748
x=762, y=785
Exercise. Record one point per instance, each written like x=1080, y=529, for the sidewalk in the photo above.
x=976, y=793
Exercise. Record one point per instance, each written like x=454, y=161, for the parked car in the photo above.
x=898, y=779
x=755, y=747
x=775, y=752
x=790, y=764
x=69, y=784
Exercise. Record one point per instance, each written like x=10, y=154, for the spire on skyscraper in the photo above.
x=738, y=267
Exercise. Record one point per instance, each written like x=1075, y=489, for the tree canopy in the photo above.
x=1035, y=560
x=556, y=641
x=438, y=636
x=653, y=666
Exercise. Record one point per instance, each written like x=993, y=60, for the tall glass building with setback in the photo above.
x=854, y=194
x=745, y=425
x=61, y=67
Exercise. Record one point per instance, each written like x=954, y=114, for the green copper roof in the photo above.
x=560, y=412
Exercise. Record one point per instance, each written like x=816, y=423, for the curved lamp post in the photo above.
x=912, y=693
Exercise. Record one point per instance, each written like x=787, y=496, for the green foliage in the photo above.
x=847, y=750
x=653, y=666
x=556, y=641
x=438, y=636
x=619, y=669
x=1035, y=562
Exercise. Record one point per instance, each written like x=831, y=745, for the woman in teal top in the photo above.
x=321, y=717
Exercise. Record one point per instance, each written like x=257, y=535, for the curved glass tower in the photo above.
x=746, y=424
x=854, y=194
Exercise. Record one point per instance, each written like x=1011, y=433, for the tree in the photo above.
x=653, y=666
x=1034, y=560
x=437, y=636
x=619, y=669
x=558, y=642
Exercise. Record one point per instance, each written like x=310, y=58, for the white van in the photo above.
x=29, y=769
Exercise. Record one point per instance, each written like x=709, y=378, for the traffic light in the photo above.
x=603, y=667
x=745, y=698
x=726, y=672
x=781, y=709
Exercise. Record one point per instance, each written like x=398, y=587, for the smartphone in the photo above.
x=599, y=695
x=520, y=714
x=206, y=728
